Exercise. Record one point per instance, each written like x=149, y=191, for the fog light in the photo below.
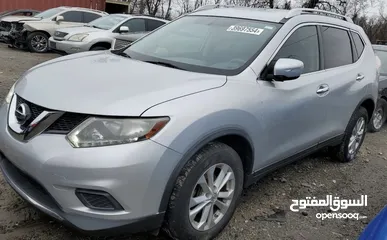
x=98, y=200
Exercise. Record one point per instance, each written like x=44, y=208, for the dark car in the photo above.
x=380, y=114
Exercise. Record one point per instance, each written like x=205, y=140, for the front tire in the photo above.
x=379, y=116
x=206, y=193
x=38, y=42
x=353, y=136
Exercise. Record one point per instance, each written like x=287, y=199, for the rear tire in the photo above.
x=194, y=189
x=353, y=136
x=38, y=42
x=379, y=116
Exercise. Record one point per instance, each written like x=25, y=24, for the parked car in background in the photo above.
x=167, y=132
x=99, y=34
x=380, y=115
x=124, y=40
x=6, y=27
x=34, y=32
x=19, y=12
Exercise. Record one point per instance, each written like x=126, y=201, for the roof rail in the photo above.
x=212, y=6
x=299, y=11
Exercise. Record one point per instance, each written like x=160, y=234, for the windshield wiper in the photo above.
x=170, y=65
x=119, y=52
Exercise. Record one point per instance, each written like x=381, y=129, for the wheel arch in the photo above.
x=106, y=44
x=369, y=105
x=40, y=31
x=236, y=138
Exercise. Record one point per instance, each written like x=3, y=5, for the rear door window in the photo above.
x=337, y=47
x=88, y=17
x=73, y=16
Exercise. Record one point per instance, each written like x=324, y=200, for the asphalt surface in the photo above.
x=264, y=211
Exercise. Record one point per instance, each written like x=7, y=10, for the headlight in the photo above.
x=9, y=96
x=78, y=37
x=95, y=132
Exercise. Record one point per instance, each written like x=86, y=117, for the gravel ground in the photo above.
x=264, y=210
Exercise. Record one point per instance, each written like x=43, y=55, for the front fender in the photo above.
x=190, y=129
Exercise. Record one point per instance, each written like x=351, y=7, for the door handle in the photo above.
x=322, y=89
x=359, y=77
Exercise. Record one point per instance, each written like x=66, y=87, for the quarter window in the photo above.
x=72, y=16
x=153, y=24
x=337, y=47
x=302, y=45
x=358, y=44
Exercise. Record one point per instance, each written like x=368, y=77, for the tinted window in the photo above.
x=383, y=58
x=358, y=44
x=88, y=17
x=302, y=45
x=72, y=16
x=337, y=47
x=153, y=24
x=135, y=25
x=217, y=45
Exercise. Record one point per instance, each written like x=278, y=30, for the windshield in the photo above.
x=2, y=13
x=107, y=22
x=49, y=13
x=383, y=58
x=217, y=45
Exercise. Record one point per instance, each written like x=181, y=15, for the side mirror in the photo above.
x=124, y=29
x=59, y=18
x=285, y=69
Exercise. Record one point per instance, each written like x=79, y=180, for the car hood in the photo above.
x=75, y=30
x=19, y=18
x=103, y=83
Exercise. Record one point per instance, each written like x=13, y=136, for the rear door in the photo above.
x=345, y=73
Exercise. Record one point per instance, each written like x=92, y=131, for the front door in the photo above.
x=295, y=119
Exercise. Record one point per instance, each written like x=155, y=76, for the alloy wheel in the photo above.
x=356, y=137
x=211, y=197
x=39, y=43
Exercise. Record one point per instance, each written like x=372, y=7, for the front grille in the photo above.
x=63, y=125
x=67, y=123
x=98, y=200
x=121, y=43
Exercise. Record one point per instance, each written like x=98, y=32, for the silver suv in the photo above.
x=168, y=131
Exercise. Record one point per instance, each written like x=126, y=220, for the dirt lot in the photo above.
x=264, y=211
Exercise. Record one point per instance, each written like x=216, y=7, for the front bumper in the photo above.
x=135, y=175
x=68, y=47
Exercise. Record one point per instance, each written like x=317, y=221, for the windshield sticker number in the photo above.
x=244, y=29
